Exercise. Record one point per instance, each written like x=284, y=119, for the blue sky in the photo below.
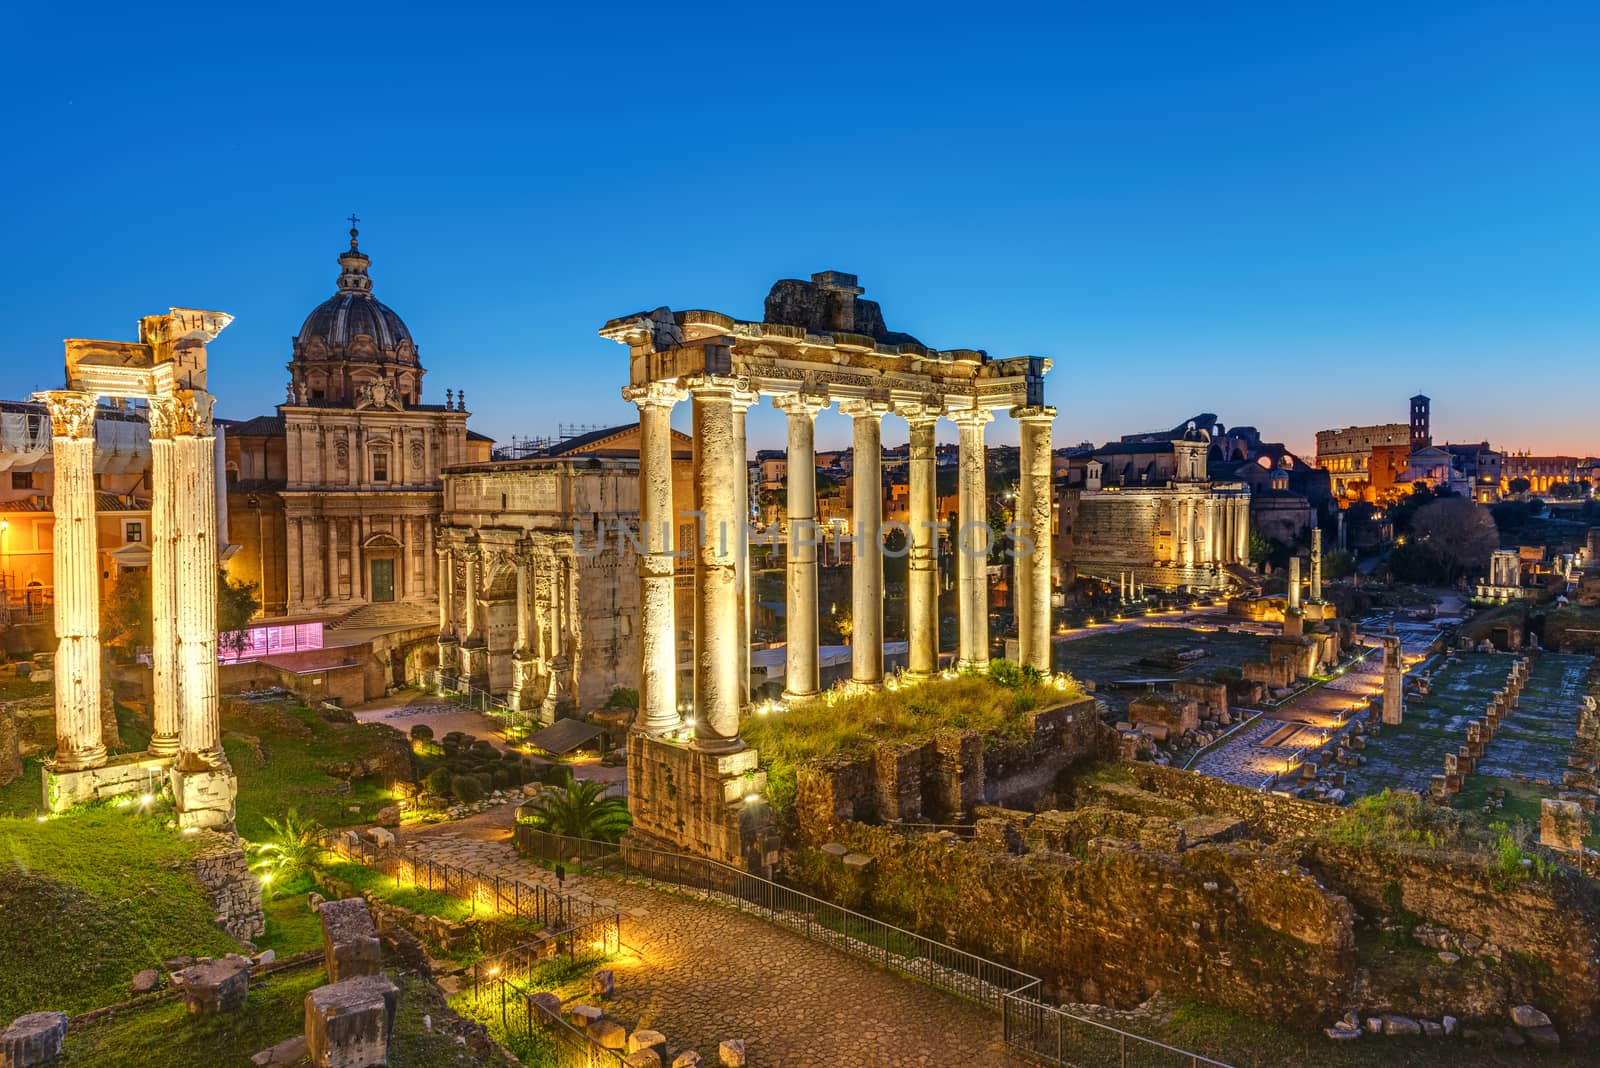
x=1293, y=217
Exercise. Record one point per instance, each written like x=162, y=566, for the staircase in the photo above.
x=394, y=615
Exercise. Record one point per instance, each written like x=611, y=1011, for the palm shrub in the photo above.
x=294, y=850
x=580, y=810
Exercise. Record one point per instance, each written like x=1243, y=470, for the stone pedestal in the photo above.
x=449, y=654
x=135, y=773
x=350, y=944
x=348, y=1023
x=524, y=694
x=1394, y=682
x=203, y=797
x=33, y=1039
x=1294, y=623
x=214, y=986
x=475, y=664
x=689, y=800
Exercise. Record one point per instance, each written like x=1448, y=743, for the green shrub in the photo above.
x=501, y=778
x=439, y=781
x=467, y=789
x=421, y=732
x=1006, y=673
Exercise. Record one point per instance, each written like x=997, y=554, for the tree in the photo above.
x=127, y=617
x=1518, y=486
x=1260, y=547
x=1338, y=564
x=1460, y=531
x=582, y=810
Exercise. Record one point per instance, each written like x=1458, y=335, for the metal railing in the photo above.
x=1050, y=1034
x=494, y=894
x=1058, y=1037
x=476, y=698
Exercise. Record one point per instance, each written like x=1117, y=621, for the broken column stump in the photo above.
x=33, y=1039
x=348, y=1023
x=350, y=944
x=214, y=986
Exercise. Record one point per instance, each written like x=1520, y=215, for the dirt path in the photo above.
x=700, y=973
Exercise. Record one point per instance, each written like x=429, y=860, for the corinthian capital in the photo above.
x=191, y=413
x=809, y=404
x=71, y=412
x=971, y=416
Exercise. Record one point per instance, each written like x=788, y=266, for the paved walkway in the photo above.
x=705, y=973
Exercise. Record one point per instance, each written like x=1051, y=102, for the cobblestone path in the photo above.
x=704, y=973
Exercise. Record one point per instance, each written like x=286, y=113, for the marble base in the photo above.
x=204, y=799
x=132, y=773
x=688, y=800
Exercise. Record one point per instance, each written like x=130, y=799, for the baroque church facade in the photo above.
x=335, y=498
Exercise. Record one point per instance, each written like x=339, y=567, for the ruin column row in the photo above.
x=163, y=588
x=77, y=582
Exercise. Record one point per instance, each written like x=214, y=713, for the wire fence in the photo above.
x=1045, y=1032
x=490, y=894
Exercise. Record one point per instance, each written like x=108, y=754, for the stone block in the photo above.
x=348, y=1023
x=603, y=983
x=730, y=1054
x=581, y=1016
x=857, y=861
x=289, y=1051
x=645, y=1038
x=1562, y=825
x=204, y=798
x=382, y=838
x=1401, y=1025
x=146, y=981
x=119, y=776
x=33, y=1039
x=1526, y=1016
x=609, y=1034
x=688, y=1059
x=350, y=944
x=214, y=986
x=545, y=1008
x=645, y=1058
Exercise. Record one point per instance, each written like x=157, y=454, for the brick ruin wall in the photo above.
x=948, y=775
x=234, y=893
x=1268, y=815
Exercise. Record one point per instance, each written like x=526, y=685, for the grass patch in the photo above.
x=1389, y=819
x=291, y=926
x=415, y=898
x=503, y=1008
x=89, y=899
x=296, y=747
x=846, y=722
x=164, y=1034
x=15, y=689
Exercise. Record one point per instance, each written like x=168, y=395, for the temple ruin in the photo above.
x=818, y=344
x=165, y=369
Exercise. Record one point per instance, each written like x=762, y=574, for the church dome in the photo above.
x=353, y=324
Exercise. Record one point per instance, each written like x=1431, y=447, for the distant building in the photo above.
x=1545, y=472
x=1346, y=454
x=1421, y=422
x=1150, y=511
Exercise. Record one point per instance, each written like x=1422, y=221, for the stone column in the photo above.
x=922, y=585
x=77, y=581
x=1185, y=540
x=522, y=562
x=163, y=586
x=469, y=594
x=1242, y=505
x=973, y=540
x=1316, y=564
x=194, y=556
x=447, y=623
x=1394, y=682
x=801, y=673
x=1033, y=508
x=716, y=595
x=658, y=629
x=1294, y=583
x=742, y=400
x=866, y=563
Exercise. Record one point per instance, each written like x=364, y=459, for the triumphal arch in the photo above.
x=818, y=344
x=165, y=369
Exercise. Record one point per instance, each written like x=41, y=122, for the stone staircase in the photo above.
x=394, y=615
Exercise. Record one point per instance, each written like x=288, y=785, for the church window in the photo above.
x=380, y=467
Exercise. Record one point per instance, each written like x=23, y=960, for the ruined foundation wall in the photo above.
x=1233, y=926
x=1268, y=815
